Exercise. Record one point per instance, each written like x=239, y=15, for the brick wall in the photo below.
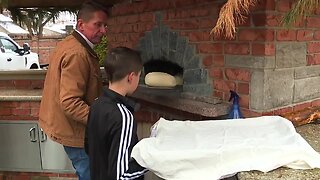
x=19, y=110
x=251, y=63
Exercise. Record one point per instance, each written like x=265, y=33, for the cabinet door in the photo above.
x=53, y=156
x=19, y=146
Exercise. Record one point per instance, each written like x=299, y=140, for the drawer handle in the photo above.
x=43, y=135
x=32, y=134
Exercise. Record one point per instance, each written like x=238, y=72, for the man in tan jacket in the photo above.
x=72, y=83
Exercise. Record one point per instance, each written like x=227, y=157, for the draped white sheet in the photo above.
x=194, y=150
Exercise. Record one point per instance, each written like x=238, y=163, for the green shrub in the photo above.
x=101, y=49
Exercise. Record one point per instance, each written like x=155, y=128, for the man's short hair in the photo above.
x=120, y=62
x=89, y=8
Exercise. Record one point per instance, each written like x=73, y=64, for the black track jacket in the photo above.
x=110, y=136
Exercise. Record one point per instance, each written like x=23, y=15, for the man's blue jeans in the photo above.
x=80, y=161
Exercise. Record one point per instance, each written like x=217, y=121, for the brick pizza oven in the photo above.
x=273, y=69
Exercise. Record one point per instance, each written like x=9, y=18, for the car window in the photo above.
x=8, y=45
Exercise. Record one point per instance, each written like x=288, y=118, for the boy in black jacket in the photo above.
x=111, y=129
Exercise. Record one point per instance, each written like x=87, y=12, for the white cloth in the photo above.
x=213, y=149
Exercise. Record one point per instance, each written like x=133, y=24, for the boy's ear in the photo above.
x=130, y=76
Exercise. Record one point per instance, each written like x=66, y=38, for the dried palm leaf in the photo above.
x=232, y=12
x=300, y=10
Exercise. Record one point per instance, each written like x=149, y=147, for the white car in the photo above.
x=14, y=57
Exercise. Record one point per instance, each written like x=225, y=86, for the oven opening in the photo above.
x=162, y=73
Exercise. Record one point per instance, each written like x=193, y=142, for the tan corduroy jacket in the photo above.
x=72, y=83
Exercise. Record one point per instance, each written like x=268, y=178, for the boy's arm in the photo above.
x=122, y=166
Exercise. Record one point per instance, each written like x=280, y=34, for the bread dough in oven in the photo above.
x=160, y=79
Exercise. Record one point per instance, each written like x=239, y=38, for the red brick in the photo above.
x=34, y=112
x=122, y=20
x=147, y=17
x=286, y=35
x=207, y=22
x=173, y=24
x=210, y=48
x=37, y=84
x=34, y=104
x=7, y=104
x=218, y=94
x=182, y=3
x=283, y=110
x=71, y=175
x=249, y=114
x=244, y=101
x=133, y=18
x=142, y=27
x=126, y=28
x=189, y=24
x=237, y=48
x=216, y=73
x=313, y=59
x=22, y=83
x=267, y=49
x=315, y=103
x=5, y=111
x=159, y=5
x=313, y=47
x=23, y=105
x=21, y=177
x=284, y=5
x=6, y=83
x=265, y=5
x=196, y=36
x=268, y=20
x=47, y=43
x=301, y=106
x=111, y=21
x=268, y=113
x=143, y=116
x=189, y=13
x=122, y=38
x=207, y=61
x=256, y=35
x=123, y=9
x=304, y=35
x=218, y=60
x=114, y=29
x=243, y=88
x=20, y=111
x=317, y=35
x=313, y=22
x=224, y=85
x=238, y=74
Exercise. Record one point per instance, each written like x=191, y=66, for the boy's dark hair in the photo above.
x=120, y=62
x=88, y=8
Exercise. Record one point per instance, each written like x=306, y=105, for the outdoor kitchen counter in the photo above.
x=310, y=133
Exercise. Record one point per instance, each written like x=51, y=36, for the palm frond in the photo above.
x=300, y=10
x=231, y=13
x=36, y=18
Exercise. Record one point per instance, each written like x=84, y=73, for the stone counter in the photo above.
x=175, y=99
x=311, y=133
x=20, y=94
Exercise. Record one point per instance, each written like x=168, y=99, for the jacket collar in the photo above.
x=130, y=104
x=84, y=43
